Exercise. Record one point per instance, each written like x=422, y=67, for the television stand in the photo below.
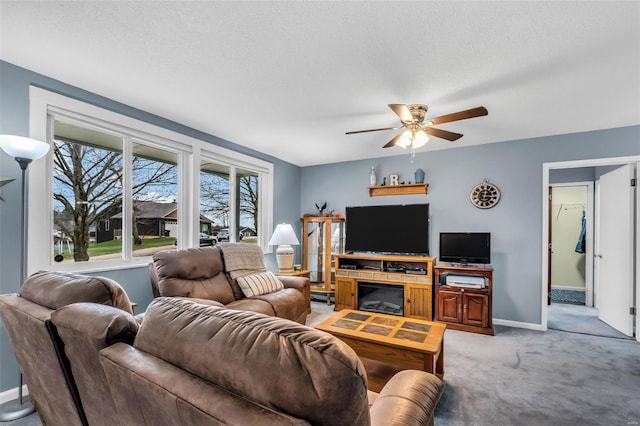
x=465, y=309
x=413, y=274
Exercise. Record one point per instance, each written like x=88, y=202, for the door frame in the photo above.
x=574, y=164
x=590, y=213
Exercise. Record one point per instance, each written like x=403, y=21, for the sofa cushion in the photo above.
x=274, y=362
x=252, y=305
x=286, y=303
x=85, y=328
x=260, y=283
x=195, y=272
x=57, y=289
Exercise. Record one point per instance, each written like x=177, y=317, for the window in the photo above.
x=86, y=190
x=154, y=207
x=216, y=194
x=214, y=198
x=248, y=205
x=118, y=190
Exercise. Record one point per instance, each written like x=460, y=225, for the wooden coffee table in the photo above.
x=387, y=344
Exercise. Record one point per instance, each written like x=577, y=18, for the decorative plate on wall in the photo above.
x=484, y=195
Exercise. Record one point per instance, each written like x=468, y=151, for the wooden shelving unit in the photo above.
x=415, y=188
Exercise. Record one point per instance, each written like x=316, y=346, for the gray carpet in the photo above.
x=523, y=377
x=579, y=319
x=567, y=296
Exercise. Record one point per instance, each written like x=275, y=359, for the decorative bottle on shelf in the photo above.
x=372, y=177
x=419, y=175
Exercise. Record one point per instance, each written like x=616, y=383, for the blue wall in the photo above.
x=515, y=223
x=14, y=119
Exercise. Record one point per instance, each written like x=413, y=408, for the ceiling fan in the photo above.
x=412, y=118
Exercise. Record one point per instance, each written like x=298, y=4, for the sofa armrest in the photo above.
x=299, y=283
x=409, y=398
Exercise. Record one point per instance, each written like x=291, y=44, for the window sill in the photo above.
x=100, y=266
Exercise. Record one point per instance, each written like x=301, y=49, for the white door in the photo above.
x=615, y=253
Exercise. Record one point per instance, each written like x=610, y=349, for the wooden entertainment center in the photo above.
x=412, y=273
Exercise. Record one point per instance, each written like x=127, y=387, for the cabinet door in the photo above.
x=345, y=293
x=476, y=309
x=450, y=306
x=417, y=301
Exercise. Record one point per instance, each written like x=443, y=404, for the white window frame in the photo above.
x=46, y=106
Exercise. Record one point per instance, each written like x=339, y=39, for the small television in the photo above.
x=465, y=247
x=401, y=228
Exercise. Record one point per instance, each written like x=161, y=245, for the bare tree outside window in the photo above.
x=215, y=199
x=88, y=187
x=214, y=194
x=248, y=206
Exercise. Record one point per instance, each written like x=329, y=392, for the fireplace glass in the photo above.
x=381, y=298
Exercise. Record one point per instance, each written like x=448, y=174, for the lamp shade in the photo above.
x=405, y=139
x=420, y=139
x=283, y=235
x=21, y=147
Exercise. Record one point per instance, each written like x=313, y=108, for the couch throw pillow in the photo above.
x=260, y=283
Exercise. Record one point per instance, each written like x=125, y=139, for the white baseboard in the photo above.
x=518, y=324
x=11, y=394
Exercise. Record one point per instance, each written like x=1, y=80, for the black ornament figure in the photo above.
x=321, y=209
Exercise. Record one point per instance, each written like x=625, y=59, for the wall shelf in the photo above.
x=416, y=188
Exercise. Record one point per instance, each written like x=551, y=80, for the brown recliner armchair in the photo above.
x=56, y=395
x=198, y=364
x=206, y=273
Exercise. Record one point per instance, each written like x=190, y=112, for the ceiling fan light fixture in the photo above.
x=412, y=117
x=405, y=140
x=420, y=139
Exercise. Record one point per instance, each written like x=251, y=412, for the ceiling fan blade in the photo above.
x=443, y=134
x=393, y=141
x=371, y=130
x=403, y=112
x=460, y=115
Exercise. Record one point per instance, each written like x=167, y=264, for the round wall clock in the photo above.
x=484, y=195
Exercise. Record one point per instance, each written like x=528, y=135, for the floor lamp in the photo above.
x=24, y=151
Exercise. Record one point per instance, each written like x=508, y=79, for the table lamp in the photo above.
x=284, y=238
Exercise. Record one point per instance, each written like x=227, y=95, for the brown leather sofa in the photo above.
x=63, y=392
x=203, y=273
x=195, y=364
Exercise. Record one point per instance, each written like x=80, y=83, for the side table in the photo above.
x=307, y=290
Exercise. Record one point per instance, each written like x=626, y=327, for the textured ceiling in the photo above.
x=289, y=78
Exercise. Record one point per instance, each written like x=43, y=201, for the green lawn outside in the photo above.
x=115, y=246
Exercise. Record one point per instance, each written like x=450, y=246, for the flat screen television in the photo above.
x=402, y=228
x=465, y=247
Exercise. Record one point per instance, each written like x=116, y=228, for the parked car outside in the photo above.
x=207, y=240
x=223, y=235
